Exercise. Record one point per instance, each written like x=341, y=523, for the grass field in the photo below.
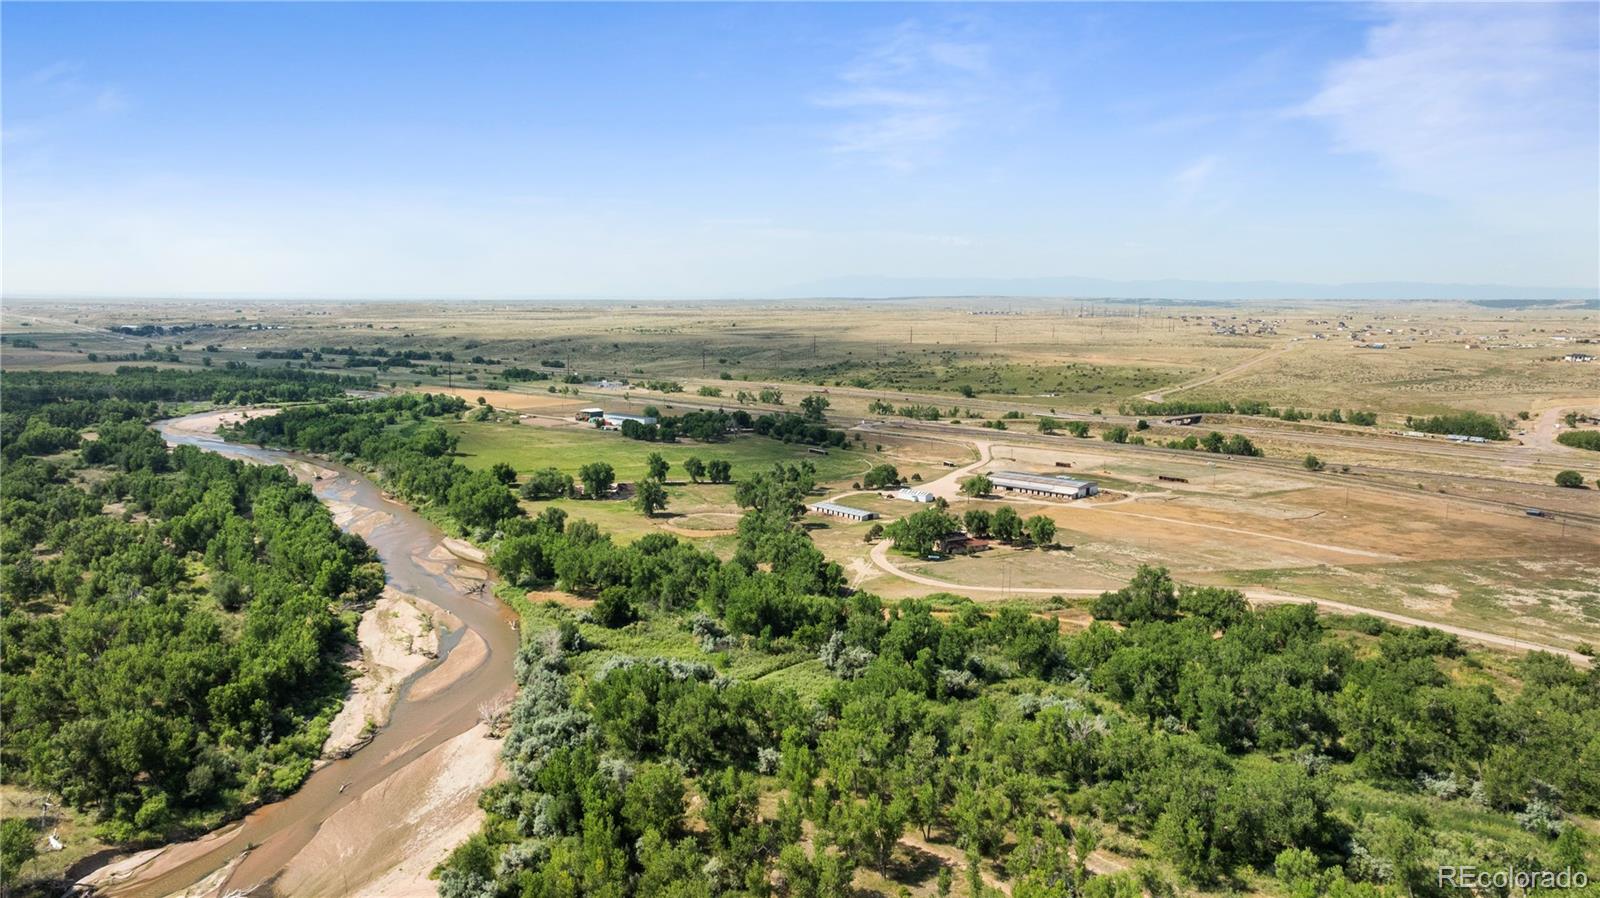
x=1551, y=600
x=529, y=447
x=655, y=636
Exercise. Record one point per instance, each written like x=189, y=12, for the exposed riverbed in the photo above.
x=374, y=823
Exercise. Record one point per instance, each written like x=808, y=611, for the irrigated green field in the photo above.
x=529, y=447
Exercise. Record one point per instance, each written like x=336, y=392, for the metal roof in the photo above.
x=1039, y=480
x=836, y=508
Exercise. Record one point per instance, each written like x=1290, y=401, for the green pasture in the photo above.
x=528, y=448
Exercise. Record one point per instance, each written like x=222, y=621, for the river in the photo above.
x=398, y=800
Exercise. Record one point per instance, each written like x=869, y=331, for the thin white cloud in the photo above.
x=1194, y=176
x=64, y=99
x=1482, y=104
x=907, y=94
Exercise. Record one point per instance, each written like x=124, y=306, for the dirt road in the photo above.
x=880, y=557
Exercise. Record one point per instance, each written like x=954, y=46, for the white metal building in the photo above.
x=614, y=419
x=1044, y=485
x=911, y=495
x=843, y=511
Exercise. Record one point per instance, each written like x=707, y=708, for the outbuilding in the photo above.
x=587, y=414
x=1044, y=485
x=843, y=511
x=911, y=495
x=614, y=420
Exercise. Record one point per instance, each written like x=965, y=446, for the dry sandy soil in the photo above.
x=397, y=636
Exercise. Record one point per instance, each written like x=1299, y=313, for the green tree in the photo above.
x=719, y=470
x=547, y=483
x=479, y=499
x=977, y=485
x=504, y=473
x=1312, y=463
x=18, y=845
x=916, y=534
x=649, y=496
x=1150, y=596
x=597, y=477
x=881, y=477
x=1007, y=524
x=1041, y=530
x=978, y=522
x=657, y=466
x=1569, y=479
x=613, y=609
x=813, y=407
x=694, y=467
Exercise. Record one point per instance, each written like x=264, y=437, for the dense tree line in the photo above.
x=44, y=411
x=792, y=428
x=172, y=618
x=1472, y=424
x=1581, y=439
x=1173, y=407
x=1233, y=444
x=1206, y=728
x=397, y=435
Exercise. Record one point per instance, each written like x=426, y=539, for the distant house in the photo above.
x=1044, y=485
x=959, y=543
x=911, y=495
x=834, y=509
x=1577, y=357
x=589, y=414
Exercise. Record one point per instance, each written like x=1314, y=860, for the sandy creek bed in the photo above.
x=432, y=650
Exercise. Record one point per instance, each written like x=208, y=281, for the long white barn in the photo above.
x=1044, y=485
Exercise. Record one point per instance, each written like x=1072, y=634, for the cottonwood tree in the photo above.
x=977, y=485
x=658, y=466
x=597, y=477
x=649, y=496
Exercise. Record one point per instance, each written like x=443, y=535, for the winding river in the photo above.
x=358, y=819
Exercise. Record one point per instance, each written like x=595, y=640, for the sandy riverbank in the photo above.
x=397, y=636
x=429, y=806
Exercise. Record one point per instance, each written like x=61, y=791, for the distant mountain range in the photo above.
x=1103, y=288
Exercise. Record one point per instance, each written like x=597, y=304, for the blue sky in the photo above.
x=510, y=150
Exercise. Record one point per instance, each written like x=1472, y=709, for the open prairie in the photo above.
x=1394, y=521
